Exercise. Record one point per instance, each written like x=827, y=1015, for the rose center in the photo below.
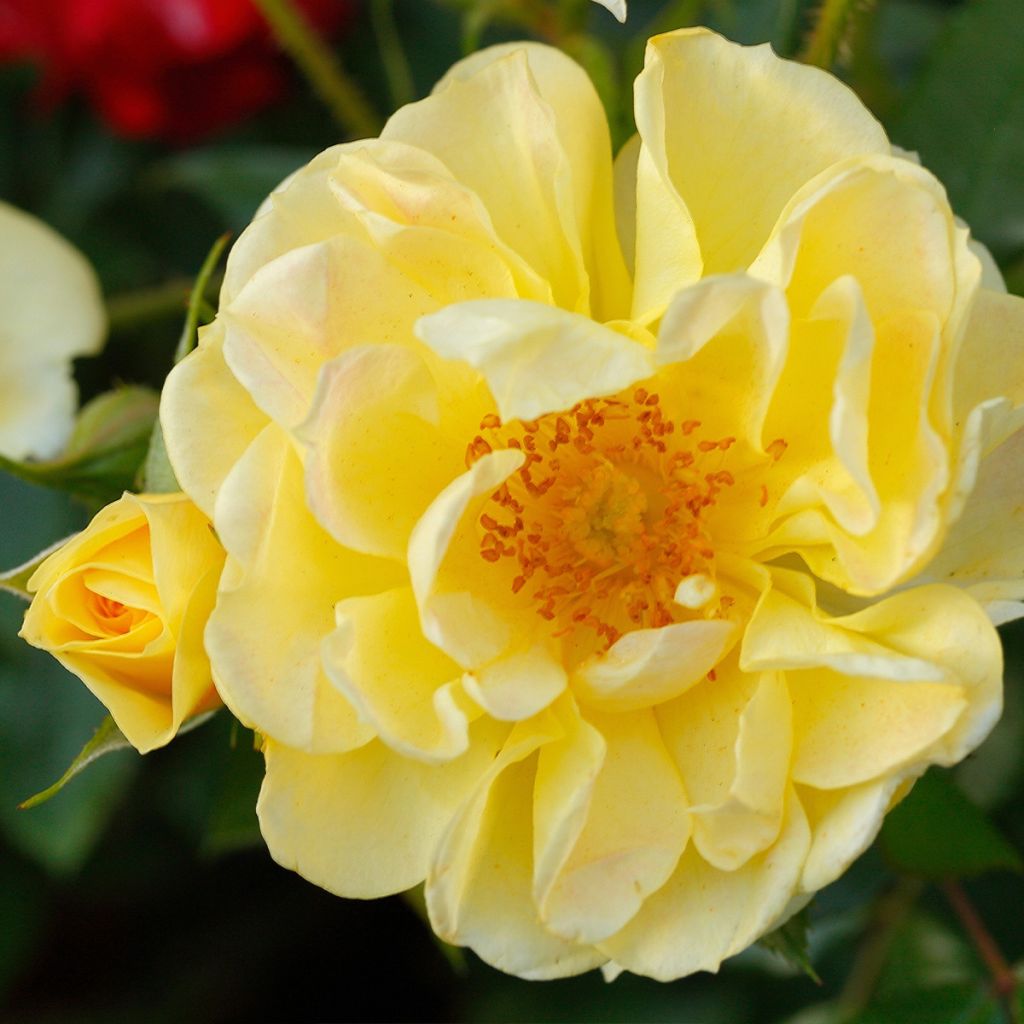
x=605, y=526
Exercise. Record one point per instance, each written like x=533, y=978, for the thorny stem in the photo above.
x=890, y=911
x=345, y=100
x=1004, y=984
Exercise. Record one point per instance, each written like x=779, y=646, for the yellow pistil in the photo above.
x=607, y=516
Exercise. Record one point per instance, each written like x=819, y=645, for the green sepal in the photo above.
x=107, y=447
x=790, y=943
x=158, y=473
x=108, y=739
x=15, y=581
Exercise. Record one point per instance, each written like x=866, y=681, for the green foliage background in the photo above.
x=142, y=892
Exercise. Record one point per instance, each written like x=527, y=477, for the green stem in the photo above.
x=345, y=100
x=830, y=30
x=890, y=911
x=197, y=298
x=389, y=42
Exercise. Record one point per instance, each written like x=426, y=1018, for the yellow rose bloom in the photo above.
x=50, y=312
x=580, y=516
x=123, y=606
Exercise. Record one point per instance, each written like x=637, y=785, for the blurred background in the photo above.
x=144, y=130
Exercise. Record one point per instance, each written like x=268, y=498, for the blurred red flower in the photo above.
x=173, y=69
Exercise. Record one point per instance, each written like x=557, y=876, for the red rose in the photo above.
x=175, y=69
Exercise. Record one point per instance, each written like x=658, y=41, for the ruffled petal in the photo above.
x=377, y=454
x=202, y=401
x=722, y=344
x=365, y=824
x=912, y=680
x=731, y=739
x=544, y=176
x=649, y=666
x=482, y=873
x=283, y=578
x=518, y=684
x=733, y=155
x=462, y=622
x=535, y=358
x=844, y=823
x=405, y=689
x=984, y=550
x=610, y=824
x=703, y=914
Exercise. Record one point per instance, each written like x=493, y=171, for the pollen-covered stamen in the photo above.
x=607, y=515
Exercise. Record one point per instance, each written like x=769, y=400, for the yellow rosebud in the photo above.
x=573, y=510
x=50, y=312
x=123, y=606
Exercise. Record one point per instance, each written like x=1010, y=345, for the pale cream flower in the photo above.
x=50, y=312
x=123, y=605
x=578, y=584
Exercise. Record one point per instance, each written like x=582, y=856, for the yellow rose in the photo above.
x=590, y=588
x=123, y=606
x=50, y=312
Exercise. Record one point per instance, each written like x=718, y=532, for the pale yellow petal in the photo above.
x=399, y=683
x=844, y=823
x=519, y=684
x=543, y=170
x=722, y=345
x=736, y=151
x=731, y=738
x=703, y=915
x=479, y=889
x=610, y=824
x=202, y=400
x=850, y=729
x=365, y=823
x=306, y=307
x=460, y=621
x=648, y=666
x=377, y=455
x=990, y=363
x=624, y=193
x=535, y=358
x=283, y=578
x=821, y=409
x=984, y=550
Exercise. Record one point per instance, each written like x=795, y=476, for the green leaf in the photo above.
x=966, y=119
x=790, y=943
x=108, y=445
x=938, y=832
x=106, y=740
